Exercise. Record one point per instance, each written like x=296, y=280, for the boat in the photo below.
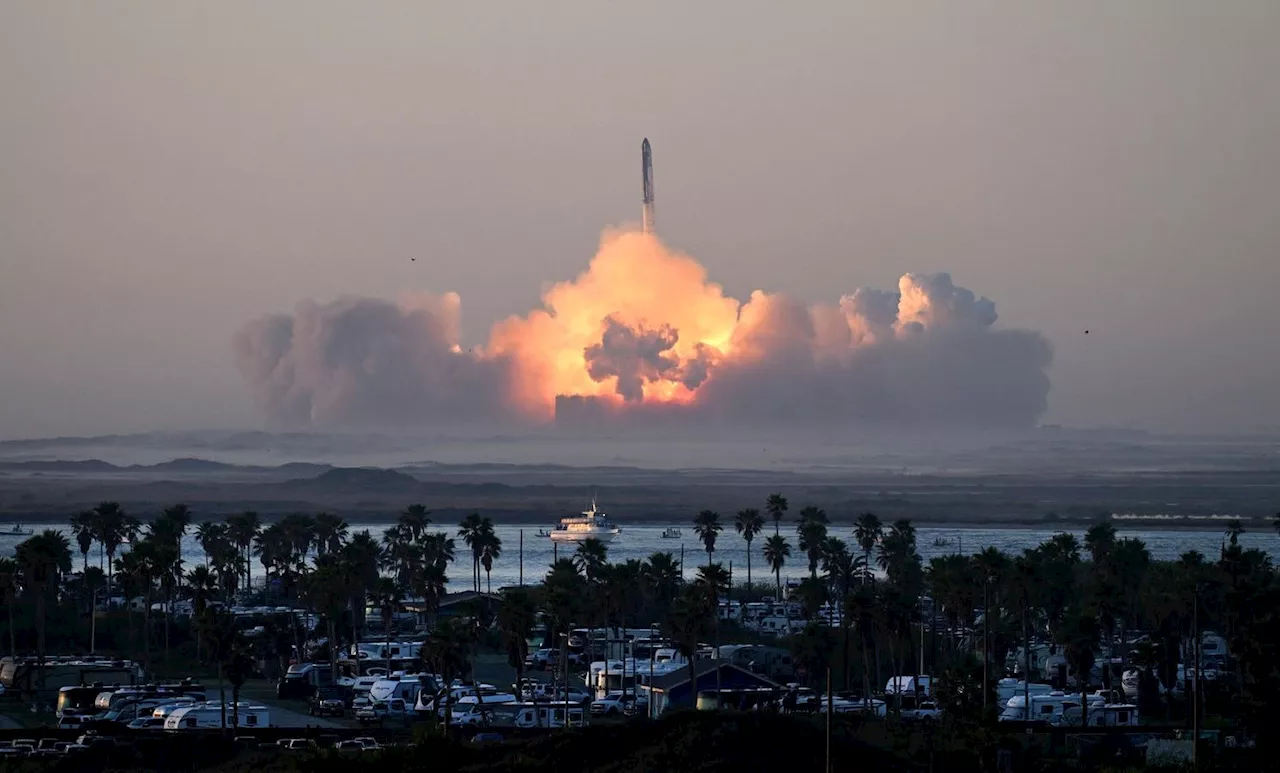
x=543, y=533
x=671, y=532
x=16, y=531
x=941, y=542
x=590, y=524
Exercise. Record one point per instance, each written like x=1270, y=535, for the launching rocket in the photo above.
x=646, y=172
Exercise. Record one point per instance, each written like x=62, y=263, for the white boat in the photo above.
x=671, y=532
x=591, y=524
x=16, y=530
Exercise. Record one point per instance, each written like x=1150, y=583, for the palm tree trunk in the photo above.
x=748, y=565
x=168, y=610
x=777, y=573
x=488, y=582
x=146, y=630
x=40, y=612
x=222, y=695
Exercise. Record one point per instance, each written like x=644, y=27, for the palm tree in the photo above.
x=414, y=519
x=776, y=505
x=714, y=577
x=706, y=525
x=776, y=553
x=490, y=549
x=472, y=532
x=43, y=560
x=82, y=526
x=386, y=597
x=9, y=584
x=428, y=582
x=178, y=519
x=1235, y=527
x=363, y=555
x=813, y=533
x=1099, y=539
x=437, y=548
x=300, y=533
x=330, y=533
x=114, y=528
x=209, y=534
x=867, y=533
x=749, y=523
x=202, y=584
x=327, y=588
x=661, y=575
x=243, y=530
x=590, y=558
x=516, y=617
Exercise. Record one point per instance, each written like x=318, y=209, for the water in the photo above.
x=640, y=541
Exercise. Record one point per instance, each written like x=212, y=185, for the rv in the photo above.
x=25, y=675
x=403, y=686
x=474, y=710
x=209, y=715
x=528, y=715
x=1051, y=708
x=302, y=679
x=1008, y=688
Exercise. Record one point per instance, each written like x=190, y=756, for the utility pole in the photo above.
x=522, y=556
x=1195, y=695
x=986, y=615
x=830, y=711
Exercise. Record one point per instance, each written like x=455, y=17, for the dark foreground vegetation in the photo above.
x=870, y=609
x=688, y=741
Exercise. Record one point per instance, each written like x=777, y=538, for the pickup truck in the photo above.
x=380, y=712
x=327, y=701
x=614, y=704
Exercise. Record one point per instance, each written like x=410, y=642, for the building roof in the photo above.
x=701, y=668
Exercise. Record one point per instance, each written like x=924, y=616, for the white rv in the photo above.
x=527, y=715
x=1052, y=708
x=209, y=715
x=401, y=685
x=1008, y=688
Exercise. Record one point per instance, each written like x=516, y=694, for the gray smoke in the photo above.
x=639, y=355
x=358, y=361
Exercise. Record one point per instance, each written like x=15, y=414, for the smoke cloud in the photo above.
x=642, y=334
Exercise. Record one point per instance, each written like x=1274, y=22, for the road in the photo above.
x=284, y=717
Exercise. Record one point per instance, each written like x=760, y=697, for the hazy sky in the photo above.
x=169, y=171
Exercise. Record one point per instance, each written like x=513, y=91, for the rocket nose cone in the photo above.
x=645, y=144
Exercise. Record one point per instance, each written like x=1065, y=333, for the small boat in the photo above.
x=671, y=532
x=17, y=531
x=543, y=533
x=941, y=542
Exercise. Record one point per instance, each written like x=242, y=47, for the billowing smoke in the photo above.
x=642, y=334
x=359, y=361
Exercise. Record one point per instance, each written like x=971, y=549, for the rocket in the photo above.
x=646, y=173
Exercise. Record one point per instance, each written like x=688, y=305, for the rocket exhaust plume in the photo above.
x=646, y=176
x=641, y=334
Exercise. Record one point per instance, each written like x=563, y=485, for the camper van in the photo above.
x=209, y=715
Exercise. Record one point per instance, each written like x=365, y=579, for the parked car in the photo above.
x=381, y=712
x=327, y=701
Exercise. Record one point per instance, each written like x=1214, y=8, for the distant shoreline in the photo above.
x=444, y=519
